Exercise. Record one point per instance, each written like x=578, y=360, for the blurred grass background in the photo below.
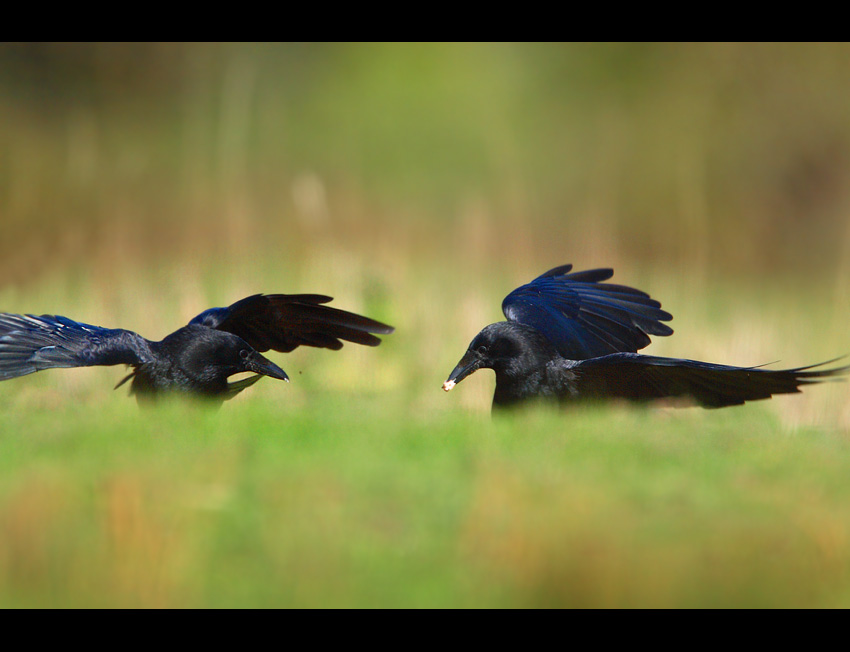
x=418, y=184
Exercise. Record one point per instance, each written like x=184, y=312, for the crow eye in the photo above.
x=243, y=354
x=482, y=349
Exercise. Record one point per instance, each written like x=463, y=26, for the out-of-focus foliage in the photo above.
x=355, y=504
x=734, y=156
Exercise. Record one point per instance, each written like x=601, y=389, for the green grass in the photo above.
x=350, y=502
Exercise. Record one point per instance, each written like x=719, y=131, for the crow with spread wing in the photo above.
x=197, y=359
x=571, y=337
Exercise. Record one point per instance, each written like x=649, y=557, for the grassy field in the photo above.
x=418, y=184
x=351, y=503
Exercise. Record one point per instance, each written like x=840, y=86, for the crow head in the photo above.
x=212, y=356
x=510, y=349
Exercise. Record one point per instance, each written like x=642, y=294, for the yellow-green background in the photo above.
x=418, y=184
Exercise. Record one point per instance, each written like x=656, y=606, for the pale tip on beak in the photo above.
x=448, y=385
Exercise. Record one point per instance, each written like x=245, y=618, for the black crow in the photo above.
x=196, y=359
x=570, y=337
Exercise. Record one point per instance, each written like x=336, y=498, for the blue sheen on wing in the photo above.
x=585, y=318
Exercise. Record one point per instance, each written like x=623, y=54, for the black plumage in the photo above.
x=569, y=337
x=195, y=360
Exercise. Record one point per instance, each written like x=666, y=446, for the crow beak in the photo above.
x=260, y=365
x=468, y=363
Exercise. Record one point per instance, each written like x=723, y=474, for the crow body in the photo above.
x=195, y=360
x=570, y=337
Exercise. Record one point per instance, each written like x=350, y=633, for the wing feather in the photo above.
x=585, y=318
x=643, y=378
x=29, y=343
x=283, y=322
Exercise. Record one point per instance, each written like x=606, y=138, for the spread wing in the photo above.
x=29, y=344
x=644, y=378
x=585, y=318
x=283, y=322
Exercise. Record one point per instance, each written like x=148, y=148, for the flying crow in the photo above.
x=197, y=359
x=570, y=337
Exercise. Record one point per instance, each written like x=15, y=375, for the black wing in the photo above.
x=283, y=322
x=644, y=378
x=585, y=318
x=29, y=344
